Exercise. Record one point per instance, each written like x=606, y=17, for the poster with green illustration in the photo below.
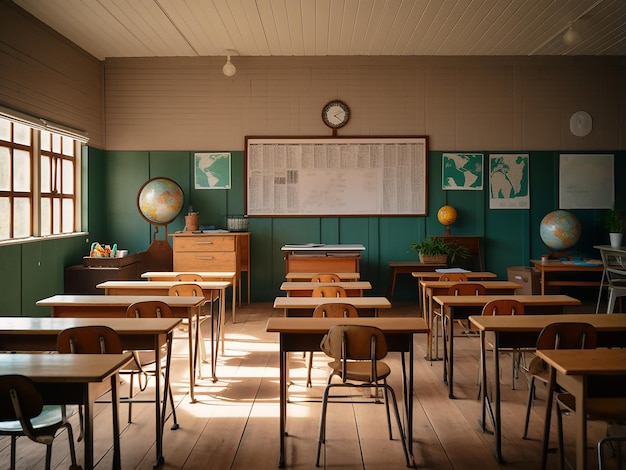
x=508, y=181
x=462, y=171
x=212, y=170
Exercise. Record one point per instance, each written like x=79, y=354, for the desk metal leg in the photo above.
x=115, y=403
x=88, y=404
x=283, y=403
x=498, y=418
x=547, y=418
x=158, y=420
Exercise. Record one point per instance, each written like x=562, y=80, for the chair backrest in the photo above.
x=186, y=289
x=504, y=307
x=568, y=335
x=329, y=291
x=149, y=309
x=464, y=288
x=457, y=277
x=94, y=339
x=354, y=342
x=335, y=311
x=326, y=277
x=188, y=277
x=18, y=395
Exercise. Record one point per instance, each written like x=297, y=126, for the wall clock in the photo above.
x=580, y=124
x=335, y=114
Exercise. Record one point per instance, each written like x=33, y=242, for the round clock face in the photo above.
x=336, y=114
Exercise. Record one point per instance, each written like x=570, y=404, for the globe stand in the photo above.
x=447, y=233
x=159, y=255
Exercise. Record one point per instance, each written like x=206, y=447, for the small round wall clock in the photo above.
x=335, y=114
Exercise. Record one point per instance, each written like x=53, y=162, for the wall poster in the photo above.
x=212, y=170
x=462, y=171
x=334, y=176
x=508, y=181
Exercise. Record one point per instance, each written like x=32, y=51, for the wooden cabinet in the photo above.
x=322, y=258
x=472, y=243
x=221, y=251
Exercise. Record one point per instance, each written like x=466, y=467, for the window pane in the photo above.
x=4, y=221
x=21, y=165
x=68, y=146
x=68, y=216
x=46, y=228
x=5, y=169
x=21, y=214
x=45, y=174
x=5, y=129
x=56, y=143
x=56, y=219
x=45, y=140
x=68, y=177
x=21, y=134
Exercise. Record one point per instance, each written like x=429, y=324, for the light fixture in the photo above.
x=229, y=69
x=571, y=37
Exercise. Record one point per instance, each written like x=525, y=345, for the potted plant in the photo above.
x=614, y=221
x=436, y=250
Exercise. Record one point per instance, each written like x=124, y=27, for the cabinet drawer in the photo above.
x=211, y=243
x=209, y=261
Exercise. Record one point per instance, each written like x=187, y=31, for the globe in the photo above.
x=160, y=200
x=560, y=230
x=446, y=215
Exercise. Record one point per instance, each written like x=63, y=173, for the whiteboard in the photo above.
x=333, y=176
x=586, y=181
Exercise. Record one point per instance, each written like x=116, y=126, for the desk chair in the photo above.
x=329, y=291
x=22, y=413
x=357, y=352
x=326, y=277
x=616, y=443
x=144, y=360
x=450, y=277
x=615, y=271
x=330, y=311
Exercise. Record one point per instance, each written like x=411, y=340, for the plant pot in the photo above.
x=616, y=239
x=433, y=259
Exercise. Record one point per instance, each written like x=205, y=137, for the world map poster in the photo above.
x=508, y=181
x=462, y=171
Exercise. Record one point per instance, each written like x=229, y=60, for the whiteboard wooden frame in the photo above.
x=336, y=176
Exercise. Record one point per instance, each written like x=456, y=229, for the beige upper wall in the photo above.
x=461, y=103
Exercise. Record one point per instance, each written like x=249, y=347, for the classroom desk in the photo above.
x=572, y=370
x=40, y=334
x=114, y=306
x=305, y=334
x=431, y=288
x=456, y=307
x=298, y=277
x=434, y=276
x=555, y=266
x=65, y=379
x=230, y=276
x=522, y=331
x=304, y=306
x=305, y=289
x=407, y=267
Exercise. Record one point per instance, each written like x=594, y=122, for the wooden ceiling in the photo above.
x=185, y=28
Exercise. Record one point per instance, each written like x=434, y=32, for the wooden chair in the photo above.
x=357, y=352
x=556, y=336
x=22, y=413
x=330, y=311
x=455, y=277
x=326, y=277
x=329, y=291
x=144, y=360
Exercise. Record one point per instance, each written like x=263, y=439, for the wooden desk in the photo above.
x=40, y=334
x=74, y=379
x=554, y=266
x=114, y=306
x=304, y=306
x=322, y=258
x=305, y=334
x=206, y=276
x=522, y=331
x=456, y=307
x=572, y=370
x=432, y=288
x=298, y=277
x=407, y=267
x=305, y=289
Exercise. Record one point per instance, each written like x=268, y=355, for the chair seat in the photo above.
x=50, y=417
x=597, y=408
x=361, y=371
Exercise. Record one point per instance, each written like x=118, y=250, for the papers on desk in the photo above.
x=305, y=245
x=451, y=270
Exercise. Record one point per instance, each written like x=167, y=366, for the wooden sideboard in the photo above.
x=472, y=243
x=319, y=258
x=218, y=251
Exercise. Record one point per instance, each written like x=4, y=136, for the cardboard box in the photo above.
x=526, y=276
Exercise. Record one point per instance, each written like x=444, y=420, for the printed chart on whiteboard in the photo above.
x=321, y=176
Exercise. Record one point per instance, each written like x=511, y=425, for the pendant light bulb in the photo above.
x=229, y=69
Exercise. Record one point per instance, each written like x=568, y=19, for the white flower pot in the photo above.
x=616, y=239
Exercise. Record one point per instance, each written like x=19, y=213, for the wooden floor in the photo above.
x=234, y=425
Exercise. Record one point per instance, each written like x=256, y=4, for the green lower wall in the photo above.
x=31, y=271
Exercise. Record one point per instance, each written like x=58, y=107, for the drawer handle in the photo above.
x=205, y=257
x=204, y=243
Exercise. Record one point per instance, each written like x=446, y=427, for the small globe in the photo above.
x=160, y=200
x=560, y=230
x=446, y=215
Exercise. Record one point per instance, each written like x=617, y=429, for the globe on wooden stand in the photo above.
x=446, y=216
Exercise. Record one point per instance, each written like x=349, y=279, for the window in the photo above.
x=39, y=180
